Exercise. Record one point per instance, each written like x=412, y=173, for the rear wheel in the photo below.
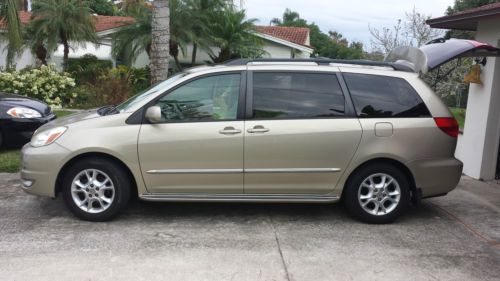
x=377, y=193
x=96, y=189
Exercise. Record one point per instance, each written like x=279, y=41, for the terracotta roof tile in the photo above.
x=103, y=23
x=297, y=35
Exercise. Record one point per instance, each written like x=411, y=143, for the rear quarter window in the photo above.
x=377, y=96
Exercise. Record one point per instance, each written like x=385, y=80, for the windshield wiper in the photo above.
x=105, y=110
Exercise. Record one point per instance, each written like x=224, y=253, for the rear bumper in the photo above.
x=40, y=167
x=436, y=176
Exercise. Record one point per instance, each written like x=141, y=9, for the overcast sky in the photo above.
x=349, y=17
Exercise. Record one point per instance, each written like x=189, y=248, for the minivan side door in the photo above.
x=300, y=132
x=198, y=146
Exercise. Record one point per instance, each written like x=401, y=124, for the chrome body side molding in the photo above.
x=236, y=171
x=196, y=171
x=293, y=170
x=299, y=198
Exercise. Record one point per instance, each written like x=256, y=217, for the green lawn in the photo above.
x=62, y=112
x=10, y=160
x=459, y=114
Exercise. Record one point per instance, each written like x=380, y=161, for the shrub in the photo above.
x=43, y=83
x=88, y=68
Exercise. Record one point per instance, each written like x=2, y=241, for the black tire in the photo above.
x=119, y=180
x=353, y=186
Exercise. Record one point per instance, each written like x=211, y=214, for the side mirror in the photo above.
x=153, y=114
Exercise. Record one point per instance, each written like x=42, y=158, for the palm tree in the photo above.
x=160, y=37
x=202, y=10
x=63, y=22
x=9, y=15
x=233, y=34
x=133, y=39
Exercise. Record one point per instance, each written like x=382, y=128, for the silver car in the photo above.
x=373, y=135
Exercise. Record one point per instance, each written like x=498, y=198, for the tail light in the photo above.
x=448, y=125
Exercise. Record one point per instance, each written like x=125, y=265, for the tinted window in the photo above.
x=382, y=96
x=204, y=99
x=296, y=95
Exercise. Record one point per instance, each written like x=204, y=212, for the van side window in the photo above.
x=206, y=99
x=376, y=96
x=296, y=95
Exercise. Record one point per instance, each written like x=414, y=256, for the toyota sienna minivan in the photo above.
x=372, y=135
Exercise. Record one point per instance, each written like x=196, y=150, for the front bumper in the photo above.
x=436, y=176
x=18, y=131
x=40, y=167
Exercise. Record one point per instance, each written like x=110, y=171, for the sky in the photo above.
x=349, y=17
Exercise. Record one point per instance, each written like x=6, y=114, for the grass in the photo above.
x=10, y=160
x=459, y=114
x=61, y=112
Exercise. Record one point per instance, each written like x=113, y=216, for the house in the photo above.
x=478, y=147
x=279, y=42
x=105, y=26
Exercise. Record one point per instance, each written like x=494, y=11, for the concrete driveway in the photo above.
x=456, y=237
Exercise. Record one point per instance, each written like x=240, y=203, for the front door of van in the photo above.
x=198, y=147
x=298, y=139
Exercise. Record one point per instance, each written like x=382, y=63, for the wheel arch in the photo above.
x=72, y=161
x=415, y=195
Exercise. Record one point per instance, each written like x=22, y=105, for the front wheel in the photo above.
x=96, y=189
x=377, y=193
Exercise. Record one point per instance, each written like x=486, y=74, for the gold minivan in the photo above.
x=373, y=135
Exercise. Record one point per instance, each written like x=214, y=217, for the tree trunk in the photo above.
x=41, y=54
x=66, y=55
x=193, y=55
x=160, y=37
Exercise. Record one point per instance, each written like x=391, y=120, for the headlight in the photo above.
x=47, y=137
x=23, y=112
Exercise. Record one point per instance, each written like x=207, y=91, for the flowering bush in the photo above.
x=44, y=83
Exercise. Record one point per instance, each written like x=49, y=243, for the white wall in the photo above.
x=26, y=59
x=273, y=50
x=479, y=144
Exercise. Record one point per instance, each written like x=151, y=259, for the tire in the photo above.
x=381, y=205
x=102, y=197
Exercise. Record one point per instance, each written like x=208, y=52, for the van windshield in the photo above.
x=147, y=93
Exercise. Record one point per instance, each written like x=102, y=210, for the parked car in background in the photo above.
x=20, y=117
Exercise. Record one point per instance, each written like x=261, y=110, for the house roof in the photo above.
x=102, y=23
x=468, y=19
x=297, y=35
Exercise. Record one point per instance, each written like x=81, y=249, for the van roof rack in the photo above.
x=323, y=61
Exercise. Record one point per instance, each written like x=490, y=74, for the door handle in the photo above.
x=230, y=131
x=258, y=129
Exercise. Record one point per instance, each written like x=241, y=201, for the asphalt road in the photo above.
x=456, y=237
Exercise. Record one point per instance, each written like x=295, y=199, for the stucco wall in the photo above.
x=26, y=59
x=479, y=144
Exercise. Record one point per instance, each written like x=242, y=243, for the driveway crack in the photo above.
x=279, y=249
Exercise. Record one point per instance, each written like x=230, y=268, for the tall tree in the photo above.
x=133, y=39
x=9, y=15
x=331, y=45
x=202, y=10
x=160, y=38
x=64, y=22
x=412, y=31
x=232, y=33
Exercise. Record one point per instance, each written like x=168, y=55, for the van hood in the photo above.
x=71, y=119
x=438, y=52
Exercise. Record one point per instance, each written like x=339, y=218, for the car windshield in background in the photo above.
x=147, y=93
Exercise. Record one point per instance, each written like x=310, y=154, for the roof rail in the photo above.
x=323, y=61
